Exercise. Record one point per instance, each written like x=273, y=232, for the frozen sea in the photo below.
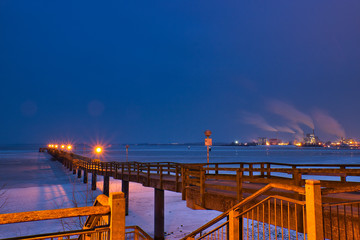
x=197, y=154
x=32, y=181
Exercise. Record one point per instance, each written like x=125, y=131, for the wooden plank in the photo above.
x=53, y=214
x=221, y=177
x=221, y=187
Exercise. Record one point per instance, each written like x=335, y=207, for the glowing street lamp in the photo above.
x=69, y=147
x=62, y=146
x=56, y=146
x=98, y=150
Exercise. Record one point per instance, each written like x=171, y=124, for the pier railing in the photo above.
x=231, y=178
x=279, y=217
x=342, y=220
x=105, y=221
x=222, y=185
x=258, y=220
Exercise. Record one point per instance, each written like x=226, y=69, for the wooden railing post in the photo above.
x=314, y=216
x=148, y=175
x=138, y=172
x=183, y=183
x=117, y=216
x=161, y=177
x=202, y=187
x=239, y=175
x=234, y=226
x=296, y=176
x=262, y=169
x=342, y=175
x=250, y=169
x=111, y=169
x=129, y=170
x=116, y=170
x=136, y=234
x=176, y=178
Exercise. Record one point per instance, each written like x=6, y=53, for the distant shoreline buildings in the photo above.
x=310, y=140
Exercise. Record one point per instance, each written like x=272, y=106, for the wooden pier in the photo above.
x=220, y=186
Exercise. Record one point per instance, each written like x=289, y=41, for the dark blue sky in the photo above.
x=164, y=71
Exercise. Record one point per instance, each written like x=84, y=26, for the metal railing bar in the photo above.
x=215, y=229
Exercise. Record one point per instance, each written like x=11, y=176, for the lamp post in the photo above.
x=208, y=143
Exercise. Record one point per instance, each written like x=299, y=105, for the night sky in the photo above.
x=165, y=71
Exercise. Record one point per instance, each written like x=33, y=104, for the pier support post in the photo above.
x=85, y=176
x=314, y=215
x=125, y=190
x=159, y=214
x=79, y=173
x=106, y=187
x=93, y=181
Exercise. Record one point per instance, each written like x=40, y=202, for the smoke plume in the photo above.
x=258, y=121
x=291, y=113
x=284, y=129
x=328, y=124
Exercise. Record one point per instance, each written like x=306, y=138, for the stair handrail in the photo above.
x=293, y=188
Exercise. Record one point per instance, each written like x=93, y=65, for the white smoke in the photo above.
x=328, y=124
x=284, y=129
x=299, y=135
x=258, y=121
x=290, y=112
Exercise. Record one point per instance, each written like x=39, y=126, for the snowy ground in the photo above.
x=59, y=188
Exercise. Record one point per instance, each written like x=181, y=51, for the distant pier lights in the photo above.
x=208, y=143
